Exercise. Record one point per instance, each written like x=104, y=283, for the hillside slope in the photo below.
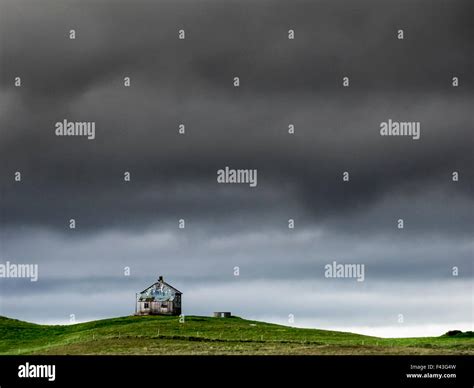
x=205, y=336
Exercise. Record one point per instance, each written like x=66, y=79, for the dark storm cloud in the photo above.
x=332, y=37
x=190, y=81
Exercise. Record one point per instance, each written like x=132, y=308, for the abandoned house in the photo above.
x=159, y=299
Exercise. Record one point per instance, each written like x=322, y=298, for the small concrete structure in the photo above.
x=222, y=314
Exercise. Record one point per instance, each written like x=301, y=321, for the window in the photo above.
x=164, y=306
x=147, y=305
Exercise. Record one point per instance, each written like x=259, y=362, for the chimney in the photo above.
x=160, y=279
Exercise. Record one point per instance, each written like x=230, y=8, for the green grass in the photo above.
x=203, y=335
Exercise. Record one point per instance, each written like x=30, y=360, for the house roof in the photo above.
x=166, y=284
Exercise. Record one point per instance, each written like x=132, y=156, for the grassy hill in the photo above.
x=205, y=336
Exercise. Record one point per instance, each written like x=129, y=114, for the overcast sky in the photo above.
x=173, y=176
